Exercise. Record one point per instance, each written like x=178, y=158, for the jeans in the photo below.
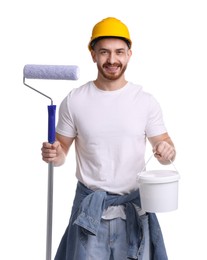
x=111, y=241
x=86, y=222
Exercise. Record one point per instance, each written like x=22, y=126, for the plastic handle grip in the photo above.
x=51, y=123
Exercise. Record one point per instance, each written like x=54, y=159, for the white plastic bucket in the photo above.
x=158, y=190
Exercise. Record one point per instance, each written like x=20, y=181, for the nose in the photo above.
x=111, y=58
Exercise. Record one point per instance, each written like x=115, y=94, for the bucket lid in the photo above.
x=158, y=176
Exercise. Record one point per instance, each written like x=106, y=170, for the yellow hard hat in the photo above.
x=109, y=27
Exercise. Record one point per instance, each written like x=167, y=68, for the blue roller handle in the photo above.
x=51, y=139
x=51, y=123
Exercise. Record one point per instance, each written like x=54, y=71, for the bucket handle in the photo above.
x=151, y=158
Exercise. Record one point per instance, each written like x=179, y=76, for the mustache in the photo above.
x=112, y=64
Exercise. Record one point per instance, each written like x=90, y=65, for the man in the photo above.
x=109, y=119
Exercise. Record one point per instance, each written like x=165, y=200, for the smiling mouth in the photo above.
x=112, y=69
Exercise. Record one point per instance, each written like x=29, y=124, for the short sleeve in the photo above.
x=65, y=125
x=155, y=124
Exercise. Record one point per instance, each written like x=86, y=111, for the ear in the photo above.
x=93, y=55
x=129, y=53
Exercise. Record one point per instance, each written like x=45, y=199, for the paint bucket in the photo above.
x=158, y=190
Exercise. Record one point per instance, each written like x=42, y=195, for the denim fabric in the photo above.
x=85, y=220
x=110, y=242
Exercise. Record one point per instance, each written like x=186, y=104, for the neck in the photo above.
x=110, y=85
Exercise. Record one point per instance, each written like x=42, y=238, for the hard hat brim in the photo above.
x=94, y=41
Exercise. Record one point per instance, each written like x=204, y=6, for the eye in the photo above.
x=120, y=52
x=103, y=52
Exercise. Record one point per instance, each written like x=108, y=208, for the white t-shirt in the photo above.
x=110, y=129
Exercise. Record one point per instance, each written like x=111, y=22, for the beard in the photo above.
x=111, y=74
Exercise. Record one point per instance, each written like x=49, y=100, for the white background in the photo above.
x=169, y=60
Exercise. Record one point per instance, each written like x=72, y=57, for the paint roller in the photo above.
x=50, y=72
